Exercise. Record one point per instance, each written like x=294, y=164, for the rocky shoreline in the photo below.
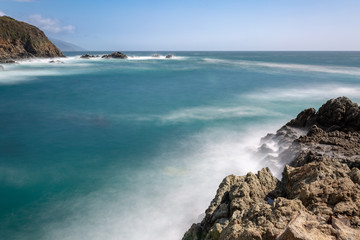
x=19, y=40
x=318, y=196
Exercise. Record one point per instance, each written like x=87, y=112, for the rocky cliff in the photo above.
x=21, y=40
x=318, y=196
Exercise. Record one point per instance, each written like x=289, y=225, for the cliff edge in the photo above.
x=21, y=40
x=318, y=196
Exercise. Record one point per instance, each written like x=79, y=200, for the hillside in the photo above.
x=66, y=46
x=21, y=40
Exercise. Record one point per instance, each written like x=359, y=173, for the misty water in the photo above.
x=136, y=148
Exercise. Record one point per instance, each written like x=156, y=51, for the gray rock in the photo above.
x=115, y=55
x=88, y=56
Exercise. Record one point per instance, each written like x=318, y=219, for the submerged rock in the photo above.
x=319, y=195
x=57, y=61
x=115, y=55
x=7, y=61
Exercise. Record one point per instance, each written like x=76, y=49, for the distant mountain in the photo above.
x=65, y=46
x=21, y=40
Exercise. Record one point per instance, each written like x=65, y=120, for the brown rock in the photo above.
x=21, y=40
x=319, y=195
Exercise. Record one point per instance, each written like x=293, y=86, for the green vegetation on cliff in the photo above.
x=22, y=40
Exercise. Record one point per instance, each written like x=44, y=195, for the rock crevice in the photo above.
x=318, y=196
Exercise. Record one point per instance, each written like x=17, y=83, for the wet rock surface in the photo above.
x=318, y=196
x=87, y=56
x=115, y=55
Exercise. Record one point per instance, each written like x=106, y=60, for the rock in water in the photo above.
x=115, y=55
x=319, y=195
x=87, y=56
x=21, y=40
x=169, y=56
x=156, y=55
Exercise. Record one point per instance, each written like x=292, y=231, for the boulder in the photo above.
x=169, y=56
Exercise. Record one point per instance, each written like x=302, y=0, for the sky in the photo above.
x=195, y=25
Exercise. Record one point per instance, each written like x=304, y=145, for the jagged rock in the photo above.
x=87, y=56
x=319, y=195
x=303, y=119
x=169, y=56
x=339, y=113
x=307, y=227
x=115, y=55
x=21, y=40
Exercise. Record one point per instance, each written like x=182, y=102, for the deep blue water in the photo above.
x=135, y=149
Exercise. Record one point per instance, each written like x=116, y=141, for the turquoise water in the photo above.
x=135, y=149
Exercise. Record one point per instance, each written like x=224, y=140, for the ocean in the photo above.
x=135, y=149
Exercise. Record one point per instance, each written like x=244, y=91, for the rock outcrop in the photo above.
x=115, y=55
x=318, y=196
x=87, y=56
x=21, y=40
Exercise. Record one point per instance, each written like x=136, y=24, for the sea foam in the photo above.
x=289, y=67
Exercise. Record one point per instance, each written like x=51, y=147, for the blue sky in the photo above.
x=195, y=24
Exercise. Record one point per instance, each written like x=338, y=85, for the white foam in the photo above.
x=211, y=113
x=307, y=92
x=161, y=57
x=289, y=67
x=30, y=69
x=201, y=113
x=164, y=200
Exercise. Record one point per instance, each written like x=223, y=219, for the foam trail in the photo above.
x=319, y=92
x=202, y=113
x=161, y=57
x=355, y=71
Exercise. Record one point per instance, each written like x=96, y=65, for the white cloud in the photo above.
x=50, y=25
x=2, y=14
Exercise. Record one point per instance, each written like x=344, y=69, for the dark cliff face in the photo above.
x=21, y=40
x=318, y=196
